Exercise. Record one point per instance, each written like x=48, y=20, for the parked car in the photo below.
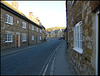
x=60, y=38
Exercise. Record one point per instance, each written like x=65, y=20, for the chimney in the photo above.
x=15, y=4
x=37, y=18
x=30, y=15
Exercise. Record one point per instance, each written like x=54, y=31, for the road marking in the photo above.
x=52, y=67
x=53, y=55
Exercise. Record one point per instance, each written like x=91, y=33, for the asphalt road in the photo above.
x=29, y=61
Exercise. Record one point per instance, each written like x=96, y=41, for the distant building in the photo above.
x=83, y=35
x=17, y=29
x=57, y=33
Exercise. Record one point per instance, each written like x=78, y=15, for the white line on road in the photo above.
x=53, y=55
x=52, y=67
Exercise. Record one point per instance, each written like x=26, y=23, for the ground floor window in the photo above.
x=78, y=37
x=8, y=37
x=23, y=37
x=32, y=37
x=40, y=37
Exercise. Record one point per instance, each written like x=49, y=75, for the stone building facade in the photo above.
x=83, y=35
x=17, y=29
x=57, y=33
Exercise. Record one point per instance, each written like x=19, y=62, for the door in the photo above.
x=17, y=40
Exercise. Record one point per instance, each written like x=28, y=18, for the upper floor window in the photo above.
x=73, y=2
x=40, y=30
x=9, y=19
x=23, y=37
x=8, y=37
x=23, y=25
x=78, y=37
x=32, y=27
x=37, y=29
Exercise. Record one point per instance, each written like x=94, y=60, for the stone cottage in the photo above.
x=83, y=35
x=57, y=33
x=17, y=29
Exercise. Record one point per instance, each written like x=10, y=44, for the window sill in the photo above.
x=79, y=50
x=9, y=23
x=23, y=28
x=8, y=41
x=24, y=41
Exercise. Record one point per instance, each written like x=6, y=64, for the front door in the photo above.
x=17, y=40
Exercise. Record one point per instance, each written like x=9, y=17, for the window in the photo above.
x=73, y=2
x=17, y=21
x=9, y=19
x=40, y=30
x=40, y=37
x=32, y=37
x=37, y=29
x=32, y=27
x=24, y=25
x=78, y=37
x=23, y=37
x=8, y=37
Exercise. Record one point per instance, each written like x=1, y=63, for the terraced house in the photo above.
x=83, y=35
x=17, y=29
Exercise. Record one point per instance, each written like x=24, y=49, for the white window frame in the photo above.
x=40, y=37
x=24, y=25
x=9, y=19
x=37, y=29
x=32, y=37
x=40, y=31
x=8, y=37
x=23, y=37
x=73, y=2
x=32, y=27
x=78, y=42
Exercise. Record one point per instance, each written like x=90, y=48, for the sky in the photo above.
x=50, y=13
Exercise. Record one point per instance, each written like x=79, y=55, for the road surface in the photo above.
x=29, y=61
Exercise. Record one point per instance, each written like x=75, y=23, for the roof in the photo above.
x=15, y=11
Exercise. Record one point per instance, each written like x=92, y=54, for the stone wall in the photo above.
x=81, y=11
x=17, y=28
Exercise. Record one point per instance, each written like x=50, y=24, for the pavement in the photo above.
x=61, y=64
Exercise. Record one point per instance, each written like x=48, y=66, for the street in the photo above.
x=29, y=61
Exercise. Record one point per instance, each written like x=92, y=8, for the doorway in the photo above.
x=17, y=40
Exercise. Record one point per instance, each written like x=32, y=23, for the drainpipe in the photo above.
x=67, y=24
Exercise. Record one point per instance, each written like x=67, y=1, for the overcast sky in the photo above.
x=50, y=13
